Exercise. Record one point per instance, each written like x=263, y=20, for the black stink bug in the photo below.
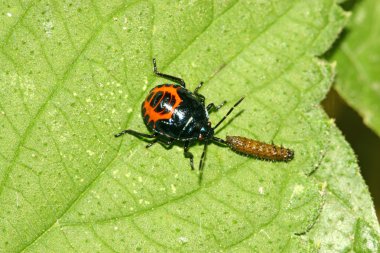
x=174, y=113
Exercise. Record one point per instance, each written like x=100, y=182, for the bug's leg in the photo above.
x=151, y=143
x=166, y=76
x=169, y=143
x=212, y=106
x=133, y=132
x=189, y=155
x=201, y=162
x=198, y=87
x=200, y=96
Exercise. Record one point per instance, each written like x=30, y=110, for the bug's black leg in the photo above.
x=133, y=132
x=200, y=96
x=169, y=77
x=189, y=155
x=151, y=143
x=201, y=162
x=212, y=106
x=167, y=144
x=198, y=87
x=170, y=142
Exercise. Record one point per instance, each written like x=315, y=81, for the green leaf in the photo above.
x=358, y=58
x=74, y=74
x=348, y=203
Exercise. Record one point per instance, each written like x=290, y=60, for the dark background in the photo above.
x=365, y=143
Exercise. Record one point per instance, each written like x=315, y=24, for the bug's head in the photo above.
x=206, y=132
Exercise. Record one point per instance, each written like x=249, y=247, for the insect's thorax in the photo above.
x=174, y=112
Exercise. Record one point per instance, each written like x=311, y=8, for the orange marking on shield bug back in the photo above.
x=155, y=116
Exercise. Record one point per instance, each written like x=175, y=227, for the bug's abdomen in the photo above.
x=259, y=149
x=160, y=104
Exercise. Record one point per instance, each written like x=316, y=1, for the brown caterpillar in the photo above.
x=259, y=149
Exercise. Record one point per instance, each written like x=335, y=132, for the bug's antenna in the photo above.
x=228, y=113
x=202, y=161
